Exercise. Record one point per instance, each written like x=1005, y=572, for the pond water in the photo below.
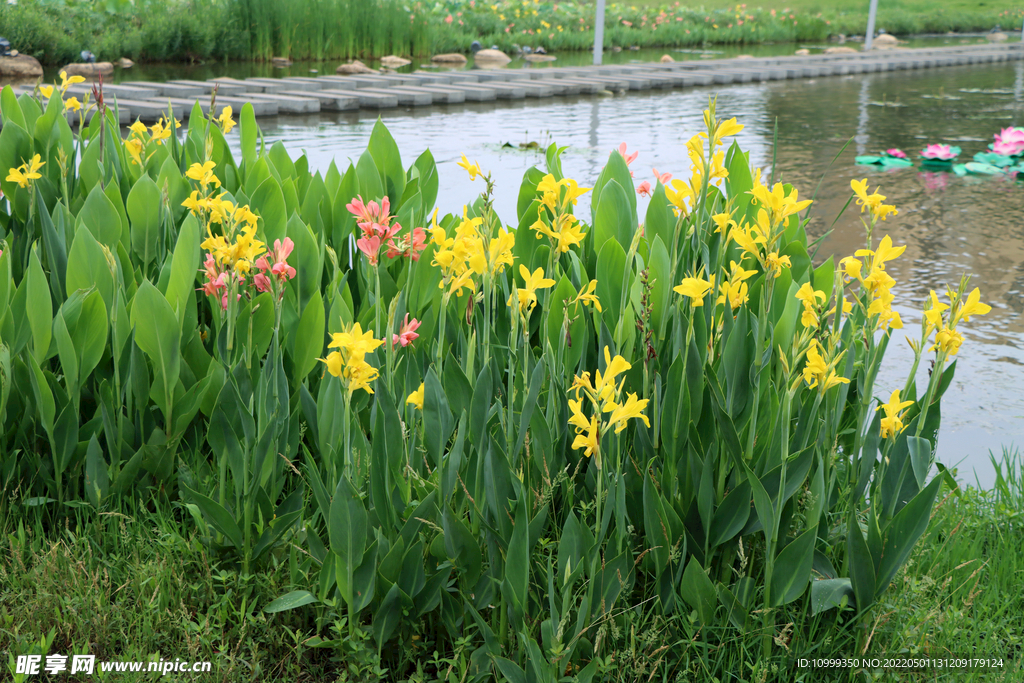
x=950, y=225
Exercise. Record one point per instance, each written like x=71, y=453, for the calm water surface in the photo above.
x=950, y=225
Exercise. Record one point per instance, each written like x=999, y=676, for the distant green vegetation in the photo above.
x=55, y=31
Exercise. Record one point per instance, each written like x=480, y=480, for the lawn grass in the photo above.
x=135, y=586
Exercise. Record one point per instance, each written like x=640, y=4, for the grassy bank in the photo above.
x=134, y=585
x=191, y=30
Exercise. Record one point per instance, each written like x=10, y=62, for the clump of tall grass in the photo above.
x=329, y=29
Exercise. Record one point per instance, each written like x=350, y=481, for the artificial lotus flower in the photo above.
x=939, y=152
x=407, y=334
x=1009, y=142
x=895, y=153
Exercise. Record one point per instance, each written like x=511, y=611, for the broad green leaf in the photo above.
x=158, y=335
x=902, y=533
x=698, y=591
x=218, y=517
x=144, y=215
x=384, y=151
x=830, y=593
x=100, y=217
x=862, y=566
x=38, y=307
x=793, y=568
x=293, y=599
x=347, y=525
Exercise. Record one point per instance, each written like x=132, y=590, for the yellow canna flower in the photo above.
x=589, y=441
x=354, y=341
x=134, y=148
x=527, y=296
x=972, y=307
x=46, y=91
x=27, y=172
x=817, y=373
x=203, y=173
x=416, y=398
x=587, y=297
x=892, y=423
x=334, y=363
x=678, y=193
x=621, y=414
x=695, y=288
x=578, y=419
x=225, y=121
x=159, y=132
x=72, y=104
x=472, y=168
x=948, y=340
x=605, y=388
x=139, y=128
x=779, y=204
x=775, y=263
x=66, y=82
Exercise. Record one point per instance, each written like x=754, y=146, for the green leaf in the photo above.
x=309, y=339
x=698, y=591
x=347, y=526
x=611, y=263
x=793, y=568
x=862, y=567
x=510, y=670
x=101, y=218
x=184, y=264
x=920, y=458
x=88, y=267
x=384, y=152
x=902, y=533
x=517, y=560
x=295, y=598
x=830, y=593
x=218, y=517
x=613, y=220
x=731, y=516
x=38, y=307
x=158, y=334
x=248, y=133
x=144, y=216
x=96, y=481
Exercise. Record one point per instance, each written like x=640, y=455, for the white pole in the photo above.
x=871, y=25
x=599, y=33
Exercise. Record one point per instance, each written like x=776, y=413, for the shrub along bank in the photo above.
x=190, y=30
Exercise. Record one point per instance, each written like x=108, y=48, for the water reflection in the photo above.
x=950, y=225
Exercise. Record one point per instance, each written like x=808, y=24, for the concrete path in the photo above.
x=148, y=101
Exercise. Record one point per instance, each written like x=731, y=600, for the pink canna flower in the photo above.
x=896, y=153
x=663, y=178
x=262, y=282
x=407, y=335
x=644, y=189
x=630, y=158
x=282, y=250
x=371, y=247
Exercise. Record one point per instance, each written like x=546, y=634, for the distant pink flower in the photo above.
x=630, y=158
x=663, y=178
x=407, y=335
x=644, y=189
x=941, y=152
x=448, y=19
x=896, y=153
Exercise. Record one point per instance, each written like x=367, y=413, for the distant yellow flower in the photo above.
x=416, y=398
x=66, y=82
x=472, y=168
x=139, y=128
x=892, y=423
x=225, y=121
x=72, y=104
x=134, y=149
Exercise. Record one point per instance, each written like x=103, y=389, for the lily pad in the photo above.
x=993, y=159
x=983, y=169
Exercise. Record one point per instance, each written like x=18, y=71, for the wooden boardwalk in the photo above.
x=297, y=95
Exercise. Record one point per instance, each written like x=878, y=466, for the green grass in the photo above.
x=135, y=586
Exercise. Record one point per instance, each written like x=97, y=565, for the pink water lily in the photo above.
x=644, y=189
x=407, y=335
x=940, y=152
x=896, y=153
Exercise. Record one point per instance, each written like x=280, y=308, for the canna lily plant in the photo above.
x=679, y=414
